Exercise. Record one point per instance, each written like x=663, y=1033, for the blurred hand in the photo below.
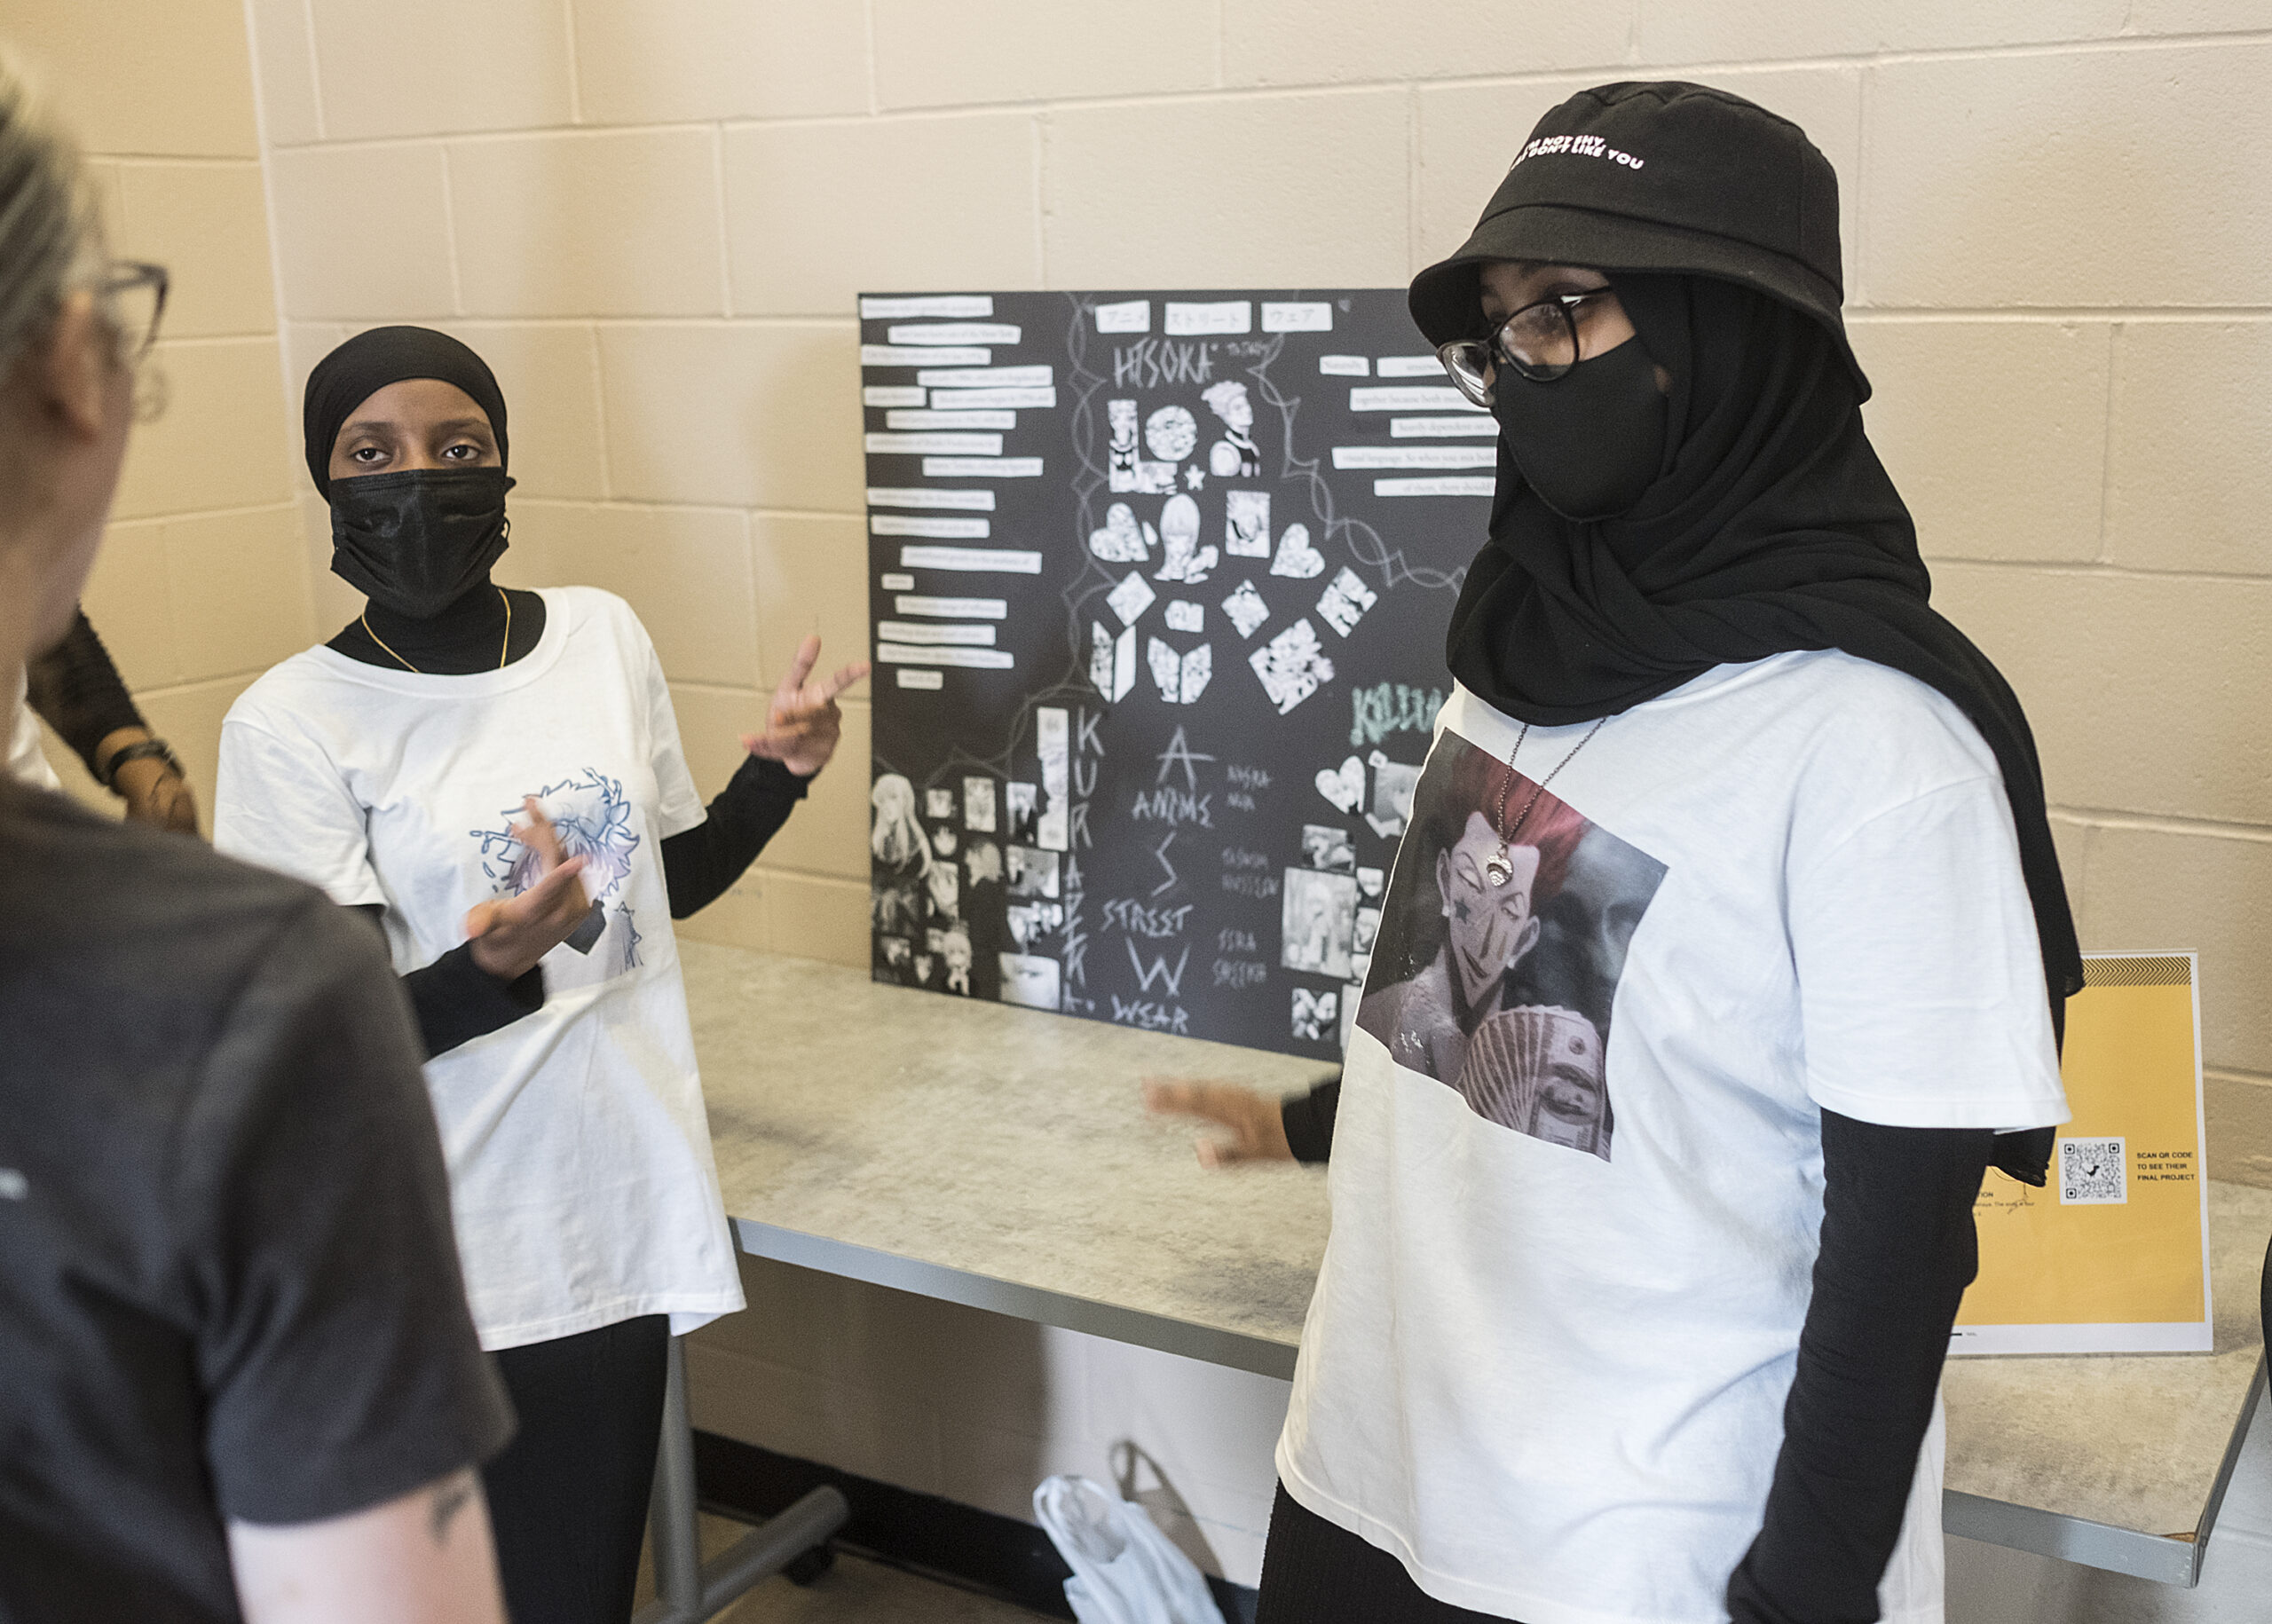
x=1257, y=1132
x=510, y=933
x=802, y=730
x=155, y=793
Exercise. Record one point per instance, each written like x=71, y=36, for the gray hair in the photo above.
x=51, y=233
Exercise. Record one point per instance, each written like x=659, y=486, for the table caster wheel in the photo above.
x=808, y=1567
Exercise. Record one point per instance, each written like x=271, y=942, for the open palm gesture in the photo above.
x=804, y=724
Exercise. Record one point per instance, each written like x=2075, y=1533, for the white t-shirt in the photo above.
x=1576, y=1201
x=27, y=761
x=581, y=1172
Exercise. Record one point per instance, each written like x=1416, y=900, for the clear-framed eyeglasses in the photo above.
x=1539, y=342
x=133, y=298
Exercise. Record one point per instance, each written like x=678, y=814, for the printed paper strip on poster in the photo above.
x=1040, y=398
x=1297, y=317
x=1344, y=367
x=987, y=377
x=910, y=355
x=942, y=530
x=982, y=468
x=944, y=334
x=997, y=560
x=952, y=306
x=1391, y=399
x=1220, y=316
x=943, y=444
x=984, y=659
x=924, y=496
x=1413, y=456
x=1428, y=427
x=952, y=609
x=920, y=679
x=1448, y=487
x=908, y=631
x=1409, y=366
x=931, y=418
x=892, y=395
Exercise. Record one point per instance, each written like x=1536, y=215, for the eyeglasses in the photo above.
x=1540, y=341
x=133, y=298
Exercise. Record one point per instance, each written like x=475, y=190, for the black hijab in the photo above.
x=1772, y=527
x=368, y=363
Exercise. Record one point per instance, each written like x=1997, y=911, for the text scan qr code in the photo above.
x=2091, y=1173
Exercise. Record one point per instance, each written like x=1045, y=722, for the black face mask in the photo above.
x=1590, y=442
x=417, y=541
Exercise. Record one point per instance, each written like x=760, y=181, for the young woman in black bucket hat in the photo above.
x=1726, y=954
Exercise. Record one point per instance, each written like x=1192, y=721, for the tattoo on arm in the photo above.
x=450, y=1497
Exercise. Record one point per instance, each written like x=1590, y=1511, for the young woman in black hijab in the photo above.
x=1635, y=1303
x=496, y=775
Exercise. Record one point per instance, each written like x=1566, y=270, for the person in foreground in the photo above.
x=1637, y=1296
x=240, y=1381
x=389, y=767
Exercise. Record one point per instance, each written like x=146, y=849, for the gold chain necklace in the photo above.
x=505, y=648
x=1501, y=868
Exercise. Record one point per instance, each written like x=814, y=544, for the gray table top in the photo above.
x=1001, y=1157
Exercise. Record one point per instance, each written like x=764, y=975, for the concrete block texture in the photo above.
x=1256, y=192
x=135, y=76
x=684, y=570
x=812, y=576
x=126, y=599
x=1469, y=134
x=2239, y=1109
x=208, y=224
x=284, y=61
x=362, y=234
x=2191, y=439
x=929, y=55
x=2089, y=177
x=2171, y=890
x=1742, y=30
x=550, y=376
x=216, y=442
x=678, y=61
x=234, y=586
x=527, y=213
x=2146, y=693
x=415, y=68
x=911, y=203
x=811, y=916
x=734, y=415
x=1993, y=431
x=1285, y=41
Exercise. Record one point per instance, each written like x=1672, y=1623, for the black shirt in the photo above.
x=228, y=1286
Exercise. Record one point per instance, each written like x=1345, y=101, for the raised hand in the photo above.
x=1258, y=1129
x=804, y=724
x=510, y=933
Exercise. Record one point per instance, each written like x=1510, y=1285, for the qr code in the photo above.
x=2091, y=1173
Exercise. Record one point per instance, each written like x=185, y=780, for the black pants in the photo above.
x=568, y=1497
x=1313, y=1572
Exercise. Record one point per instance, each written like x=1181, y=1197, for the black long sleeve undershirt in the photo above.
x=702, y=863
x=1897, y=1250
x=75, y=690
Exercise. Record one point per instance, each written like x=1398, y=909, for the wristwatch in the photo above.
x=141, y=750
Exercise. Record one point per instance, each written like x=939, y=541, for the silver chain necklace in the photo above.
x=1501, y=868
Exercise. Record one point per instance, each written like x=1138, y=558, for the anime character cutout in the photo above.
x=1182, y=558
x=1500, y=947
x=1235, y=456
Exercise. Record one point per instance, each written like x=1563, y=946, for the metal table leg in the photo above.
x=689, y=1590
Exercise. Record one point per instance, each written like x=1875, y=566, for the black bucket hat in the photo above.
x=1658, y=177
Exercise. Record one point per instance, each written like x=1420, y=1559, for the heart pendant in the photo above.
x=1498, y=870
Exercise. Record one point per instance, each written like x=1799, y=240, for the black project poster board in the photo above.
x=1159, y=584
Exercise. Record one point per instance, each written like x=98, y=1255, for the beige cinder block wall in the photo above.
x=202, y=581
x=652, y=215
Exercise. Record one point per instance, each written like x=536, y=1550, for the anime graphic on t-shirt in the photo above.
x=1499, y=948
x=592, y=816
